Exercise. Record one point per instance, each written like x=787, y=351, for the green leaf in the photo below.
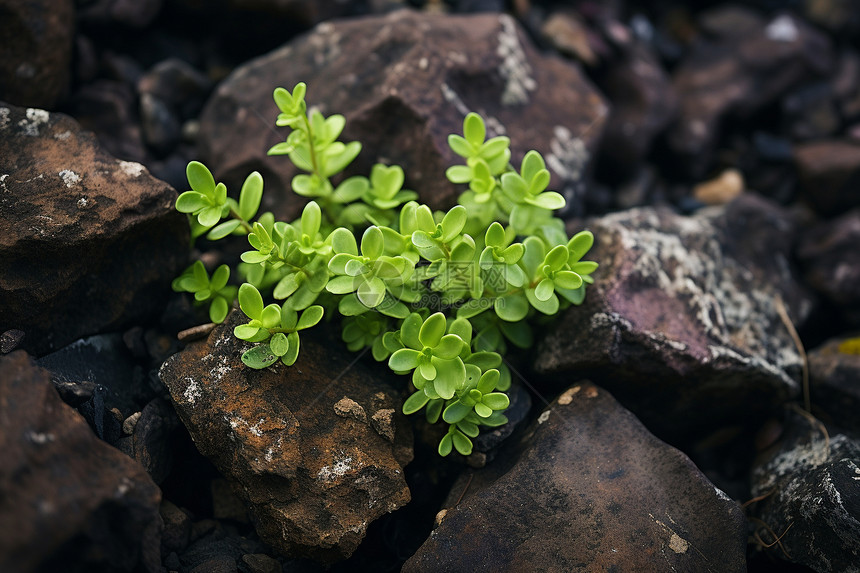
x=473, y=307
x=567, y=279
x=461, y=443
x=495, y=236
x=557, y=257
x=485, y=360
x=453, y=223
x=483, y=410
x=450, y=376
x=343, y=241
x=342, y=284
x=191, y=201
x=254, y=257
x=259, y=357
x=415, y=402
x=584, y=267
x=473, y=129
x=455, y=412
x=511, y=307
x=271, y=316
x=460, y=146
x=404, y=360
x=580, y=244
x=549, y=200
x=250, y=196
x=548, y=306
x=200, y=178
x=218, y=310
x=311, y=218
x=458, y=174
x=246, y=331
x=289, y=317
x=222, y=230
x=449, y=346
x=286, y=286
x=209, y=216
x=351, y=306
x=496, y=401
x=488, y=381
x=410, y=330
x=293, y=353
x=445, y=445
x=201, y=277
x=250, y=301
x=432, y=331
x=544, y=289
x=278, y=343
x=372, y=243
x=310, y=317
x=371, y=293
x=520, y=333
x=351, y=189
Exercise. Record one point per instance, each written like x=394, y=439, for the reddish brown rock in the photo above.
x=68, y=501
x=87, y=242
x=313, y=476
x=36, y=38
x=682, y=323
x=829, y=175
x=404, y=82
x=588, y=488
x=738, y=74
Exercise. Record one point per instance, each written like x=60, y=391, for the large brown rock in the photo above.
x=404, y=82
x=591, y=490
x=87, y=242
x=738, y=73
x=829, y=173
x=68, y=501
x=301, y=445
x=36, y=38
x=682, y=324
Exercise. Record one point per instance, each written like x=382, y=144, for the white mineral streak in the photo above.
x=568, y=155
x=4, y=117
x=69, y=177
x=515, y=68
x=782, y=29
x=34, y=119
x=131, y=168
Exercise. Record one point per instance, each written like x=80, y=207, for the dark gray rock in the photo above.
x=810, y=497
x=88, y=243
x=150, y=442
x=159, y=124
x=682, y=322
x=68, y=501
x=834, y=371
x=831, y=260
x=177, y=528
x=313, y=480
x=404, y=82
x=36, y=39
x=738, y=74
x=177, y=84
x=134, y=13
x=588, y=488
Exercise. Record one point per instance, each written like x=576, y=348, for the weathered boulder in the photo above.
x=36, y=39
x=148, y=438
x=735, y=75
x=589, y=489
x=68, y=501
x=313, y=475
x=829, y=173
x=404, y=82
x=682, y=324
x=87, y=242
x=831, y=260
x=810, y=497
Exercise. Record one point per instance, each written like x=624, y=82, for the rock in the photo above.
x=829, y=173
x=10, y=340
x=177, y=528
x=150, y=440
x=643, y=105
x=810, y=112
x=134, y=13
x=160, y=125
x=489, y=442
x=107, y=108
x=36, y=39
x=218, y=550
x=828, y=253
x=260, y=563
x=737, y=75
x=590, y=489
x=810, y=498
x=177, y=84
x=107, y=236
x=568, y=34
x=720, y=190
x=834, y=369
x=682, y=322
x=68, y=502
x=404, y=82
x=312, y=478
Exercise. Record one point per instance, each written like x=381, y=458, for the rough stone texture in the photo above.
x=829, y=175
x=150, y=440
x=736, y=75
x=681, y=323
x=831, y=259
x=643, y=104
x=313, y=479
x=404, y=82
x=812, y=498
x=87, y=242
x=68, y=501
x=36, y=38
x=834, y=377
x=591, y=490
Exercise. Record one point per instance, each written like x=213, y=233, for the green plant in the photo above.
x=438, y=295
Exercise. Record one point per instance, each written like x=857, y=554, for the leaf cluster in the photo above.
x=437, y=295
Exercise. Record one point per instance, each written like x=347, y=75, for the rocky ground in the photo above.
x=712, y=148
